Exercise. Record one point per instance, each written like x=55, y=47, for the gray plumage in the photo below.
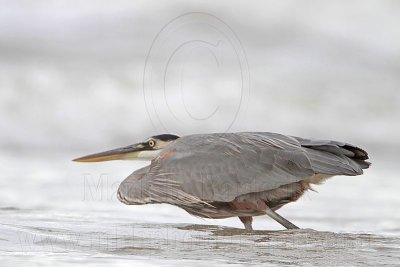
x=218, y=175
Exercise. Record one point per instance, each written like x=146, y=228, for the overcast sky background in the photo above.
x=96, y=75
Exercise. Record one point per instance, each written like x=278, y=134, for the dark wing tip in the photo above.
x=359, y=153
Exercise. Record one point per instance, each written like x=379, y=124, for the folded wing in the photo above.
x=220, y=167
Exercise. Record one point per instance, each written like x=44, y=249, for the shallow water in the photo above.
x=65, y=239
x=74, y=218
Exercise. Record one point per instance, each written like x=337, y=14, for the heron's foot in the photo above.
x=280, y=219
x=247, y=220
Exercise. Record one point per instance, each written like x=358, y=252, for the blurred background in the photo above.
x=72, y=74
x=82, y=77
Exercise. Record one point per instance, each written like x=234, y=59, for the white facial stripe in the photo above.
x=161, y=144
x=148, y=154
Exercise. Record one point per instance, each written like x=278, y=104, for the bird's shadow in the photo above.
x=230, y=231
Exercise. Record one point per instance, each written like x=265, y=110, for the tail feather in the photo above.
x=355, y=154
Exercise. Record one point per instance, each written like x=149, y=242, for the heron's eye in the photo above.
x=152, y=143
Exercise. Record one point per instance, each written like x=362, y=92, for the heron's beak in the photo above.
x=122, y=153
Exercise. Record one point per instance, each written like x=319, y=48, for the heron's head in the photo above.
x=146, y=150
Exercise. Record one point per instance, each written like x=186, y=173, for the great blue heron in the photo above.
x=223, y=175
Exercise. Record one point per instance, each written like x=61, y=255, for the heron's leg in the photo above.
x=247, y=220
x=280, y=219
